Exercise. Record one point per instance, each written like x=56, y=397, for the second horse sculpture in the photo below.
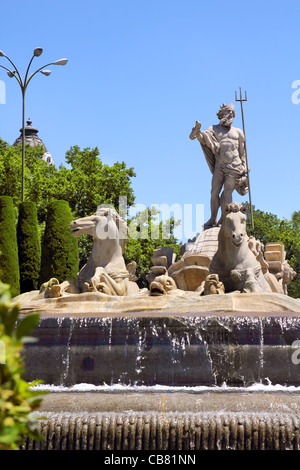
x=234, y=262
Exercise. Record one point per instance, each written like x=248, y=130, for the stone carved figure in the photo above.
x=288, y=275
x=257, y=248
x=105, y=270
x=224, y=148
x=234, y=261
x=162, y=285
x=51, y=288
x=211, y=286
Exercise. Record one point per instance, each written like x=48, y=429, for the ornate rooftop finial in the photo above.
x=32, y=139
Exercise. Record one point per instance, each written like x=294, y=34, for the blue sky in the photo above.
x=141, y=73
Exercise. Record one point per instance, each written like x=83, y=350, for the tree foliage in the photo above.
x=28, y=246
x=90, y=182
x=39, y=176
x=9, y=262
x=59, y=248
x=17, y=398
x=145, y=234
x=84, y=182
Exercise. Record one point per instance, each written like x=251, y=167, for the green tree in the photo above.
x=39, y=175
x=84, y=183
x=9, y=262
x=90, y=182
x=28, y=246
x=17, y=398
x=59, y=257
x=296, y=220
x=146, y=234
x=268, y=228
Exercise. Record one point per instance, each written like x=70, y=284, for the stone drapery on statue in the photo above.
x=224, y=148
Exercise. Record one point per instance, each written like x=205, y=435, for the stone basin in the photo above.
x=179, y=342
x=241, y=339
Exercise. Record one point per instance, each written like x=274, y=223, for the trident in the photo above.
x=241, y=101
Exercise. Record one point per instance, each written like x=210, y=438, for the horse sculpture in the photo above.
x=234, y=262
x=105, y=270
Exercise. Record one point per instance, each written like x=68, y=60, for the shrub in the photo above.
x=9, y=262
x=59, y=257
x=29, y=247
x=17, y=398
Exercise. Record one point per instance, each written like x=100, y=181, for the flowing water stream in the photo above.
x=172, y=350
x=170, y=382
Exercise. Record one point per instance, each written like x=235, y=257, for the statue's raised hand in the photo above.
x=195, y=130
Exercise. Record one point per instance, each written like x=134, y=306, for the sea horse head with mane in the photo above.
x=234, y=262
x=105, y=270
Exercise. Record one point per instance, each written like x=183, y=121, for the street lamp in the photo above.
x=23, y=84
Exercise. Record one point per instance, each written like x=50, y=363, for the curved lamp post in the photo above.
x=24, y=84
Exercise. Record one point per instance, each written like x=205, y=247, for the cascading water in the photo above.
x=66, y=359
x=185, y=363
x=181, y=350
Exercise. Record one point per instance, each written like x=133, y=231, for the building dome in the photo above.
x=32, y=139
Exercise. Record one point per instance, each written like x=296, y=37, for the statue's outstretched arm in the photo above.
x=204, y=137
x=196, y=132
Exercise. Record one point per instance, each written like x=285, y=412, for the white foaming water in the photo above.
x=84, y=387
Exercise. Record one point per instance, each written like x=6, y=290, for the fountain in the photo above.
x=168, y=368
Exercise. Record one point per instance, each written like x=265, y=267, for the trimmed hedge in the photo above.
x=29, y=247
x=9, y=260
x=60, y=256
